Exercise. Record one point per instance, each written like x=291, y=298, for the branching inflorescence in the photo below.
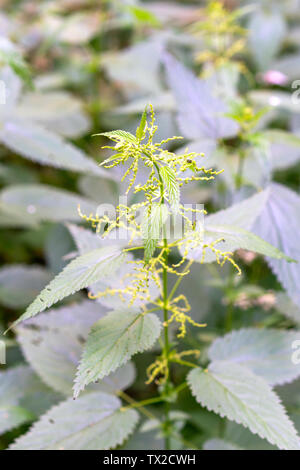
x=149, y=219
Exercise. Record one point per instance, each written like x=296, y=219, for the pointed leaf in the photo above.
x=52, y=343
x=113, y=341
x=172, y=187
x=78, y=274
x=234, y=239
x=200, y=113
x=32, y=141
x=236, y=393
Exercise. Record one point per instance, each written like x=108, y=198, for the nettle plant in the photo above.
x=129, y=263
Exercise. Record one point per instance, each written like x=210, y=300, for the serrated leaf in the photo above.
x=152, y=225
x=78, y=274
x=276, y=99
x=41, y=202
x=52, y=343
x=236, y=393
x=32, y=141
x=132, y=68
x=234, y=239
x=119, y=135
x=279, y=224
x=113, y=341
x=87, y=240
x=140, y=132
x=93, y=422
x=20, y=284
x=172, y=186
x=266, y=353
x=200, y=113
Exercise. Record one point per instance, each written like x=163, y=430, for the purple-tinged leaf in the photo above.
x=200, y=113
x=279, y=224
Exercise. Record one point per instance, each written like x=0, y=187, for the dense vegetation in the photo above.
x=120, y=122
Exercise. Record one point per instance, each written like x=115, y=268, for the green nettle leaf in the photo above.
x=53, y=341
x=236, y=393
x=172, y=186
x=266, y=353
x=140, y=132
x=120, y=135
x=78, y=274
x=233, y=238
x=93, y=422
x=112, y=341
x=36, y=143
x=152, y=225
x=40, y=202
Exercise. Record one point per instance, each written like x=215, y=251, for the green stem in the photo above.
x=143, y=403
x=166, y=351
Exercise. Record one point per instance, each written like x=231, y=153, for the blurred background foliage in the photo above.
x=73, y=68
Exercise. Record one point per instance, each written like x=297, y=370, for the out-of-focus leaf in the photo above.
x=58, y=111
x=20, y=284
x=75, y=29
x=236, y=393
x=200, y=114
x=285, y=148
x=113, y=341
x=132, y=69
x=40, y=202
x=287, y=307
x=93, y=422
x=58, y=244
x=242, y=214
x=11, y=56
x=267, y=30
x=266, y=353
x=18, y=386
x=220, y=444
x=52, y=343
x=32, y=141
x=78, y=274
x=279, y=100
x=279, y=224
